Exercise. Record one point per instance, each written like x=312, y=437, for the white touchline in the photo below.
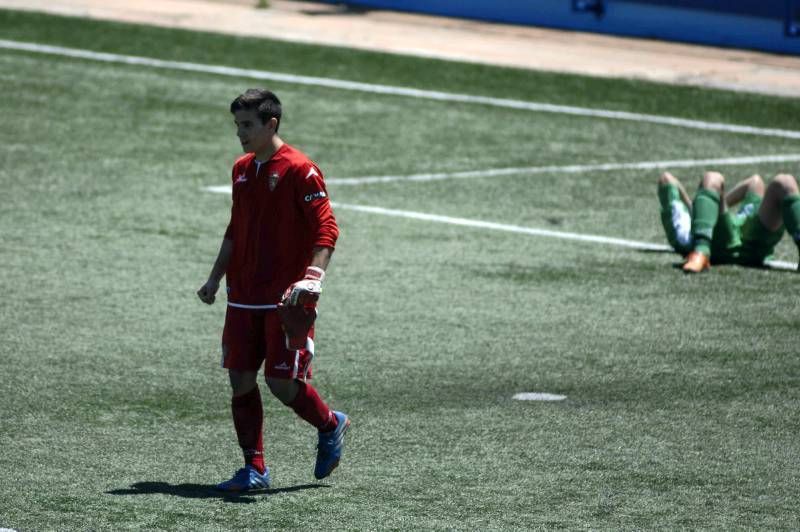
x=569, y=169
x=466, y=222
x=392, y=90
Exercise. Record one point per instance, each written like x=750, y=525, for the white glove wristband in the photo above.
x=312, y=272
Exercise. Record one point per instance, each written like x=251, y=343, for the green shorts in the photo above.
x=739, y=237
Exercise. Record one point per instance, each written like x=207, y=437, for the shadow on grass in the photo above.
x=656, y=251
x=204, y=491
x=765, y=266
x=774, y=267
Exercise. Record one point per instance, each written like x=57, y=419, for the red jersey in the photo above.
x=280, y=212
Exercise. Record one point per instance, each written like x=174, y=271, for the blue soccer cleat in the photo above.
x=246, y=479
x=329, y=450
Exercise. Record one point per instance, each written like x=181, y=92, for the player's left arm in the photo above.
x=312, y=196
x=316, y=207
x=297, y=309
x=321, y=257
x=307, y=290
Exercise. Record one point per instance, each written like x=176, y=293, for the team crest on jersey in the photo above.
x=272, y=180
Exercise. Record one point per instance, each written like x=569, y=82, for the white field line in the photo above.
x=219, y=189
x=569, y=169
x=466, y=222
x=226, y=189
x=538, y=396
x=392, y=90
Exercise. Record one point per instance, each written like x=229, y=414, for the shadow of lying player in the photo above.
x=770, y=265
x=204, y=491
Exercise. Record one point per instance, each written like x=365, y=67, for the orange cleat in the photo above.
x=696, y=262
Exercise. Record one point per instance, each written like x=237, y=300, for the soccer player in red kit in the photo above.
x=276, y=248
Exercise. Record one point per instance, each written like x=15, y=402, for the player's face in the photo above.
x=255, y=136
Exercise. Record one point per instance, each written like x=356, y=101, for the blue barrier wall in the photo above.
x=769, y=25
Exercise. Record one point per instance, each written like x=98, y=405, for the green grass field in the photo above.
x=682, y=392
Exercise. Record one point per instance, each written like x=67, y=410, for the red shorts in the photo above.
x=253, y=336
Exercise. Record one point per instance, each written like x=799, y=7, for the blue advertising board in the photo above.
x=768, y=25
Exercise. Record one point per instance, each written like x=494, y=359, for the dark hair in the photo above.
x=264, y=102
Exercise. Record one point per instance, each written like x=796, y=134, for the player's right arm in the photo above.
x=208, y=291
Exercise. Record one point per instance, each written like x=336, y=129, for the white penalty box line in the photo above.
x=479, y=224
x=466, y=222
x=567, y=169
x=392, y=90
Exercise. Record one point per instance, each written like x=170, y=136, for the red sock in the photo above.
x=309, y=406
x=248, y=419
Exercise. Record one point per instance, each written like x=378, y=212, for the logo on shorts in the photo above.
x=746, y=211
x=282, y=366
x=272, y=180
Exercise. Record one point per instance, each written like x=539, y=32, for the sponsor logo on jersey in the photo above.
x=312, y=171
x=241, y=178
x=282, y=365
x=272, y=180
x=315, y=195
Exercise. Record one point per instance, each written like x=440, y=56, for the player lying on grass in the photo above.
x=706, y=230
x=274, y=254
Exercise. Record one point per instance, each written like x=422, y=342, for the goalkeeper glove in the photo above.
x=297, y=308
x=306, y=291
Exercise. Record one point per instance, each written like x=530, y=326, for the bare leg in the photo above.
x=242, y=382
x=770, y=212
x=284, y=389
x=753, y=184
x=716, y=182
x=669, y=179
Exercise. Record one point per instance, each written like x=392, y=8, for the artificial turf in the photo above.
x=682, y=392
